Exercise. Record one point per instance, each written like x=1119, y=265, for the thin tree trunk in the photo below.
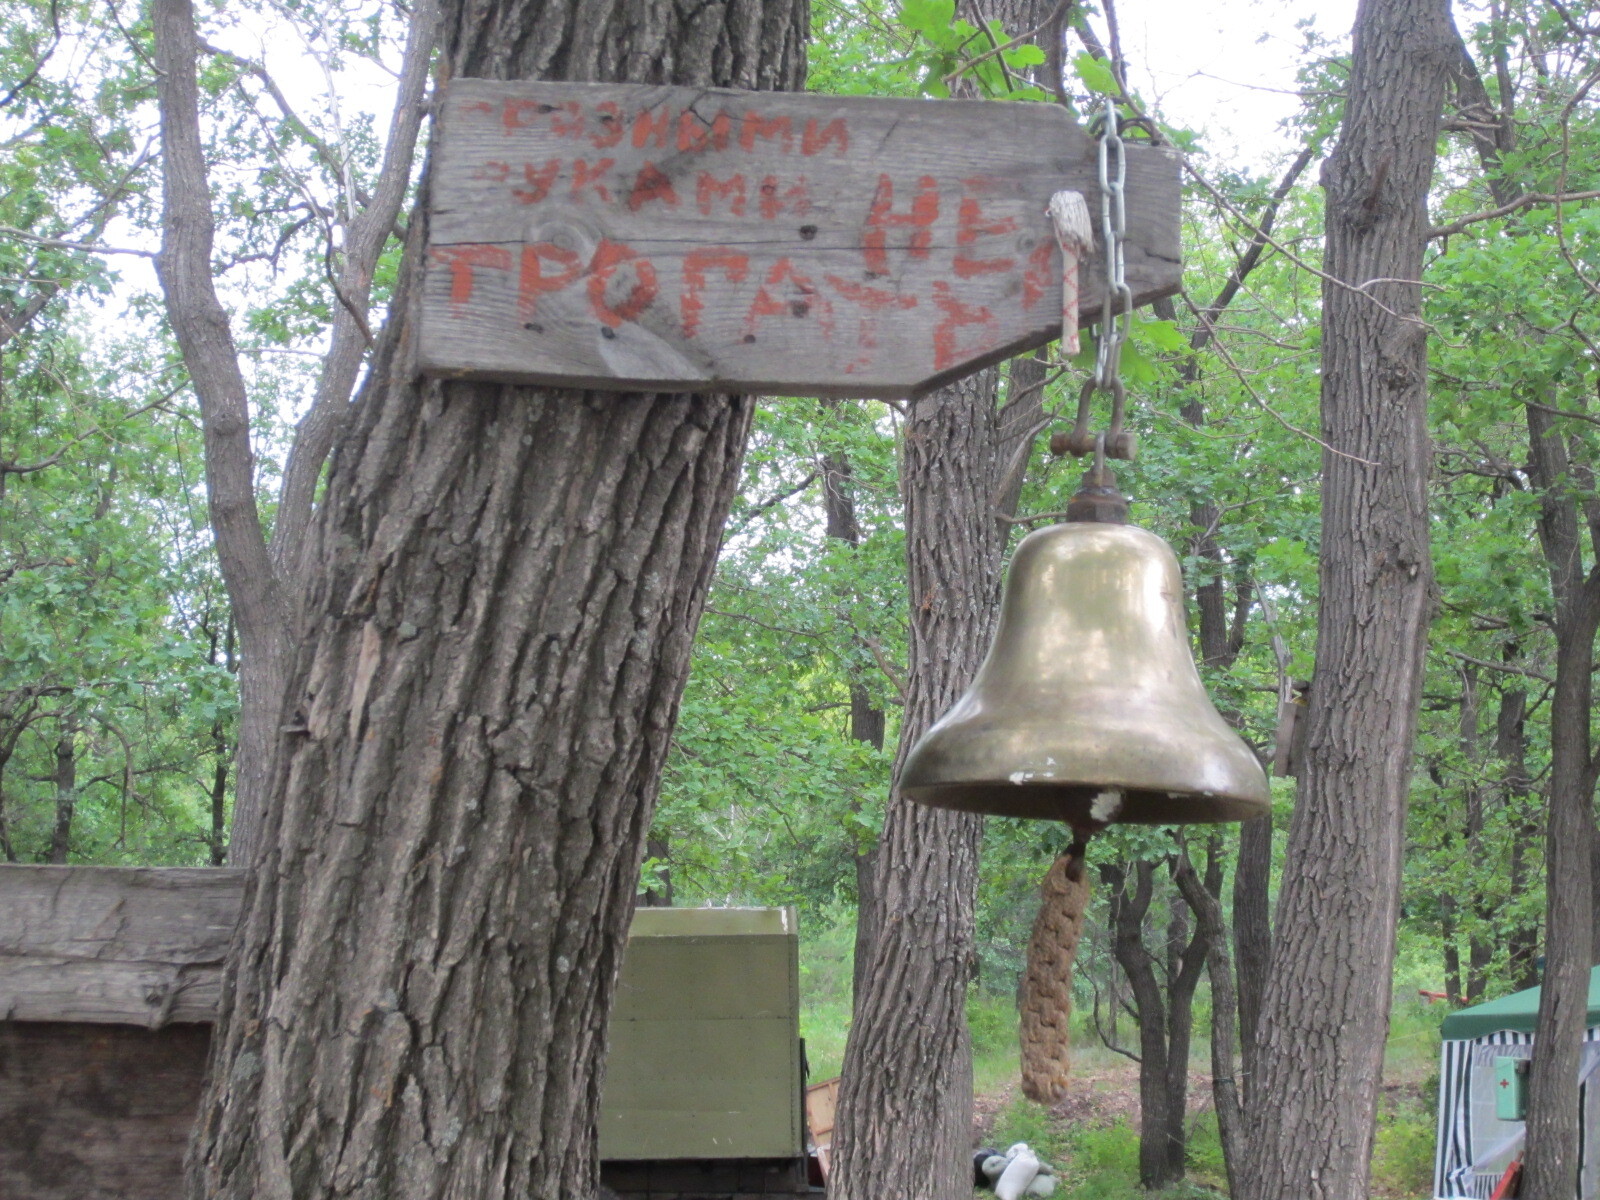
x=264, y=579
x=1511, y=748
x=1452, y=952
x=1129, y=907
x=1252, y=939
x=659, y=893
x=65, y=779
x=219, y=796
x=1166, y=1014
x=505, y=587
x=1204, y=898
x=226, y=754
x=1478, y=949
x=866, y=719
x=866, y=725
x=1187, y=954
x=1326, y=1007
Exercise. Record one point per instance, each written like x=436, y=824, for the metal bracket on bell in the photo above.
x=1119, y=443
x=1097, y=497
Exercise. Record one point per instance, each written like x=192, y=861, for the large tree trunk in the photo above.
x=504, y=586
x=904, y=1124
x=905, y=1103
x=1551, y=1165
x=1325, y=1012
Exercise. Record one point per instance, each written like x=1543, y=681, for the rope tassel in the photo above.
x=1047, y=984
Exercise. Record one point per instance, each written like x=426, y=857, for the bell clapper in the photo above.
x=1046, y=998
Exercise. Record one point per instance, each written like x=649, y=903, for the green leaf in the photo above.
x=1026, y=55
x=1095, y=74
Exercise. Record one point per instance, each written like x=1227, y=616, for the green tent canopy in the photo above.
x=1519, y=1011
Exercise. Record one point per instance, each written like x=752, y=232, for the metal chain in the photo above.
x=1116, y=313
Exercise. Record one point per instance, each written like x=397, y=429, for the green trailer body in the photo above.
x=705, y=1058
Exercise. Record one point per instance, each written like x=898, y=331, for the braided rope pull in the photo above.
x=1047, y=984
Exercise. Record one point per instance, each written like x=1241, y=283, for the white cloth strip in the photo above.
x=1069, y=213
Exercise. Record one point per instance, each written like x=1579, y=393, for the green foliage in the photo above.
x=116, y=631
x=946, y=48
x=767, y=796
x=115, y=698
x=826, y=953
x=1402, y=1159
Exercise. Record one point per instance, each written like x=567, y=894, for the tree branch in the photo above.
x=1526, y=200
x=365, y=238
x=201, y=326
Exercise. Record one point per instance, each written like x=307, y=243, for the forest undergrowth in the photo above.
x=1091, y=1137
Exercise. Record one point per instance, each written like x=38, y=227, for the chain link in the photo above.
x=1116, y=312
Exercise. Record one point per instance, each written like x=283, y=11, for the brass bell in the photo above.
x=1088, y=708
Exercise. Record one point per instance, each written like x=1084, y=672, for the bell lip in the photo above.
x=1075, y=803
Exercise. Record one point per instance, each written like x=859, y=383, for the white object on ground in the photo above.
x=994, y=1166
x=1019, y=1173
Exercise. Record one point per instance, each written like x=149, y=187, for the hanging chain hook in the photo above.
x=1116, y=310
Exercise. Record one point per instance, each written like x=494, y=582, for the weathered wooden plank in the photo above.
x=139, y=946
x=682, y=239
x=95, y=1112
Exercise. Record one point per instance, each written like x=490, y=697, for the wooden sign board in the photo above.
x=688, y=239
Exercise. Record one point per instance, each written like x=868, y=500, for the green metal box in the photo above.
x=1510, y=1078
x=705, y=1038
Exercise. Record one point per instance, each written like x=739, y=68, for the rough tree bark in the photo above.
x=1325, y=1011
x=505, y=585
x=905, y=1101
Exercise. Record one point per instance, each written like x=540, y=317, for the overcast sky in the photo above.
x=1226, y=68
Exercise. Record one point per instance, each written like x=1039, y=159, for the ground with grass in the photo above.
x=1091, y=1137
